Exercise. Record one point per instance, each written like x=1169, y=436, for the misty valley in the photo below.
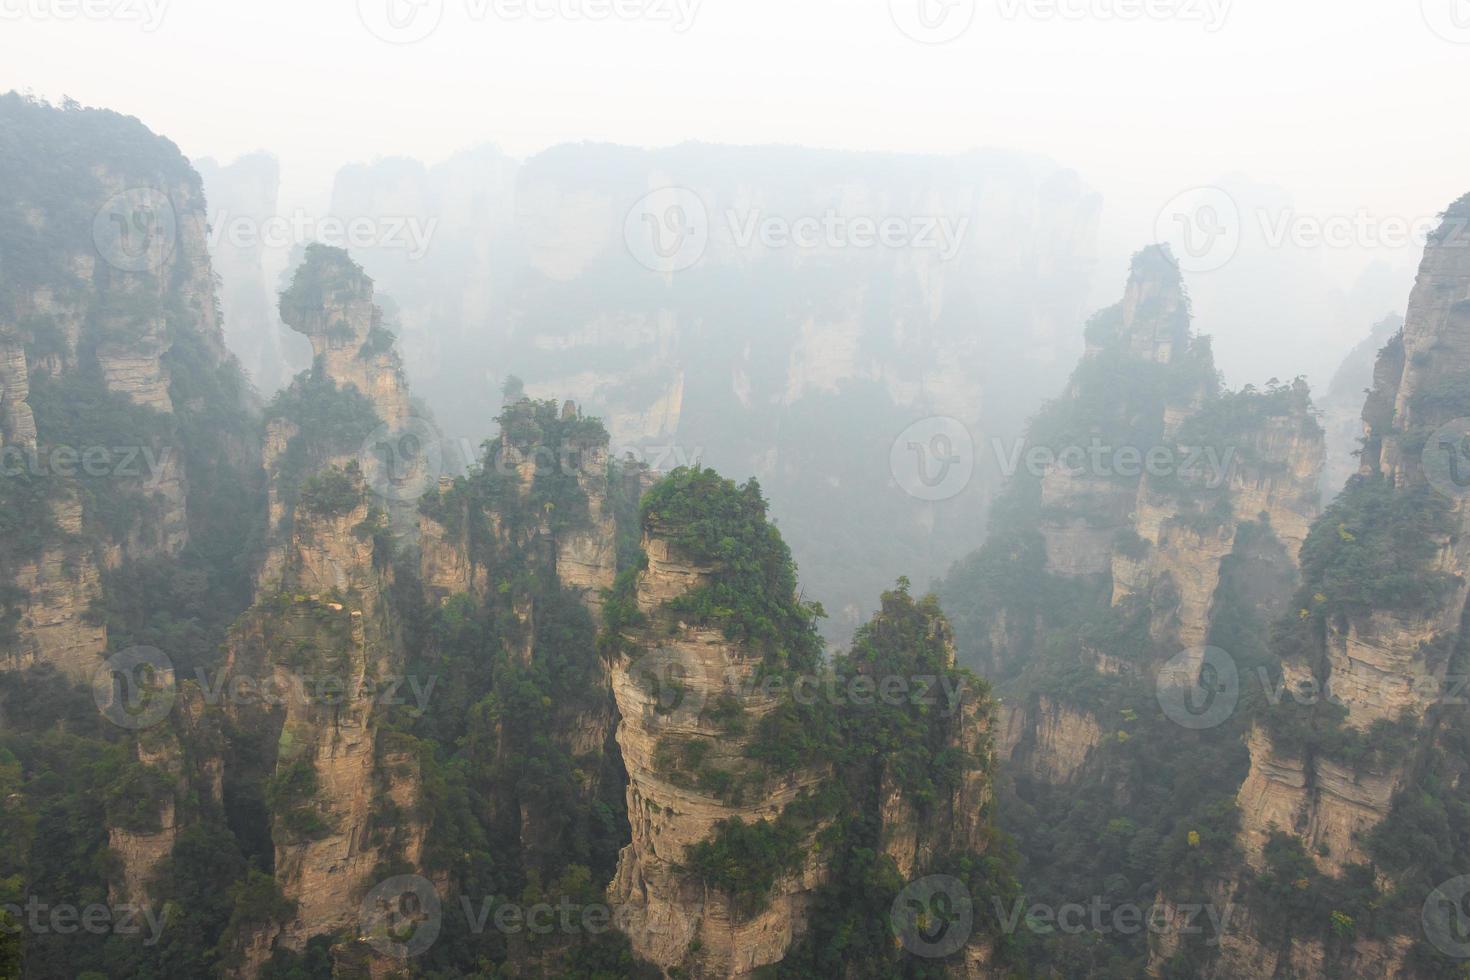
x=729, y=516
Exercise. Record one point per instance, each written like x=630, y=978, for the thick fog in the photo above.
x=490, y=164
x=1311, y=113
x=714, y=489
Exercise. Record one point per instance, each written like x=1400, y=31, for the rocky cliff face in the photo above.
x=1048, y=740
x=184, y=756
x=1386, y=663
x=1157, y=515
x=331, y=302
x=108, y=328
x=322, y=635
x=704, y=709
x=1146, y=476
x=1342, y=406
x=672, y=914
x=1338, y=779
x=1270, y=469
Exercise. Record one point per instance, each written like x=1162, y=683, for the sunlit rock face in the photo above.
x=669, y=911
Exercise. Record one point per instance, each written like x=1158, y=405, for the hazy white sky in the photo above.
x=1347, y=101
x=1350, y=105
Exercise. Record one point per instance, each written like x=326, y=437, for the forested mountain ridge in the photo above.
x=340, y=714
x=1212, y=701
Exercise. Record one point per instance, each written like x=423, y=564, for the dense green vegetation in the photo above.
x=864, y=746
x=66, y=775
x=914, y=743
x=1374, y=550
x=514, y=814
x=752, y=595
x=557, y=447
x=333, y=492
x=1152, y=811
x=745, y=860
x=327, y=276
x=328, y=421
x=71, y=782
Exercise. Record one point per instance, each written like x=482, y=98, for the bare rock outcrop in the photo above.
x=59, y=588
x=668, y=911
x=1048, y=739
x=1382, y=663
x=320, y=637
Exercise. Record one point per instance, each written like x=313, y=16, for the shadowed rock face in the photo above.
x=103, y=297
x=1342, y=407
